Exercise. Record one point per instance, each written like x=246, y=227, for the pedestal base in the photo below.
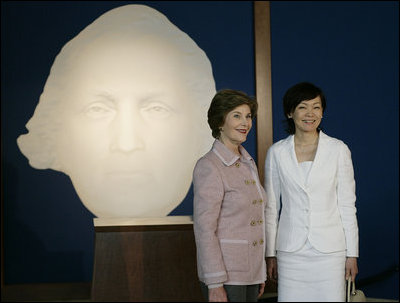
x=145, y=260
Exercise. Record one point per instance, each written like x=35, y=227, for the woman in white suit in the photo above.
x=311, y=224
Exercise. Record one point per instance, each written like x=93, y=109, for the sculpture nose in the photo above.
x=127, y=132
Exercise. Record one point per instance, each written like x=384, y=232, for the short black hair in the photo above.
x=299, y=92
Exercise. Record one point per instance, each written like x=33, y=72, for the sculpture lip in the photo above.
x=129, y=178
x=128, y=173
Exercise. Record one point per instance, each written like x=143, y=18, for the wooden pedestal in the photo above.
x=146, y=260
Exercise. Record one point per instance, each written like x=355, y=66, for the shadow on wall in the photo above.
x=46, y=261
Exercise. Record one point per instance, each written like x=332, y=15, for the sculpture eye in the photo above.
x=98, y=110
x=156, y=110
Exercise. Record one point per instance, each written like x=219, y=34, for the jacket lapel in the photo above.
x=319, y=156
x=290, y=164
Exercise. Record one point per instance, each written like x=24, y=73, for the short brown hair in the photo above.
x=224, y=102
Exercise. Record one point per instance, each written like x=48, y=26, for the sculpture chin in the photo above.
x=122, y=197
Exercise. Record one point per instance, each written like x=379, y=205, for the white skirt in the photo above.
x=308, y=275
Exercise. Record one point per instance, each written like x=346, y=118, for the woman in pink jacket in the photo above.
x=229, y=204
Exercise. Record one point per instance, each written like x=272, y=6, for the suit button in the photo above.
x=261, y=242
x=254, y=201
x=253, y=222
x=254, y=243
x=260, y=201
x=237, y=164
x=247, y=182
x=260, y=221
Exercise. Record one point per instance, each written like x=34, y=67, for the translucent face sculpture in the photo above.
x=124, y=114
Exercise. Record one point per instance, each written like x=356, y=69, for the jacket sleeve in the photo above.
x=272, y=187
x=208, y=196
x=346, y=200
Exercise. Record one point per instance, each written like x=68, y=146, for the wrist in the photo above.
x=211, y=286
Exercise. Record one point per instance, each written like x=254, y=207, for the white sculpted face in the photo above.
x=129, y=128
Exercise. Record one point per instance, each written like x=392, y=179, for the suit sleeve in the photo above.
x=346, y=200
x=208, y=196
x=272, y=187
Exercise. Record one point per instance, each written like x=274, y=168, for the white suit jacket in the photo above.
x=321, y=209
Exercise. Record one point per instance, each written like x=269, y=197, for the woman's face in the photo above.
x=236, y=127
x=131, y=132
x=307, y=115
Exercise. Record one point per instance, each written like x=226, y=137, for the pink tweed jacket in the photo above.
x=229, y=205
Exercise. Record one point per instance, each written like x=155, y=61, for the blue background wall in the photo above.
x=48, y=232
x=350, y=49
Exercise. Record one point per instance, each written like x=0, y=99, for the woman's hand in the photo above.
x=351, y=268
x=261, y=290
x=272, y=269
x=217, y=294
